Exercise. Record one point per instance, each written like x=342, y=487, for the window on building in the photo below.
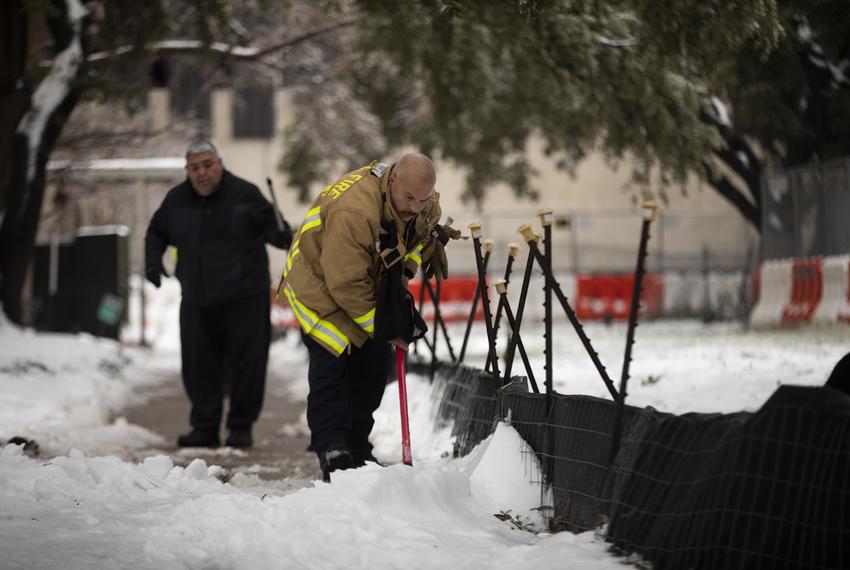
x=253, y=111
x=190, y=92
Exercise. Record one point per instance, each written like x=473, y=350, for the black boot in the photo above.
x=335, y=457
x=361, y=457
x=240, y=438
x=199, y=438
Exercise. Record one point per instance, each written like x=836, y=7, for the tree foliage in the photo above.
x=472, y=81
x=712, y=88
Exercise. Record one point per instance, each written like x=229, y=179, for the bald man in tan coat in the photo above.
x=330, y=280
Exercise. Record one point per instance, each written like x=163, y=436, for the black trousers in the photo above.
x=345, y=391
x=226, y=344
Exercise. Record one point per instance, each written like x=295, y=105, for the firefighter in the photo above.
x=220, y=225
x=371, y=221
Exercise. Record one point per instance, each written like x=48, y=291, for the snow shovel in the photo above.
x=406, y=456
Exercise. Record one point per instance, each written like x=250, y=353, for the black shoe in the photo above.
x=199, y=438
x=239, y=438
x=335, y=457
x=361, y=459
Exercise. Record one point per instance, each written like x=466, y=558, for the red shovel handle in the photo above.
x=406, y=456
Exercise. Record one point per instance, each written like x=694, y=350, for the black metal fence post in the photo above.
x=512, y=251
x=476, y=297
x=434, y=337
x=438, y=316
x=648, y=212
x=421, y=304
x=526, y=280
x=501, y=286
x=475, y=231
x=546, y=221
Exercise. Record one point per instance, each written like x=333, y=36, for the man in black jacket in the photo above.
x=219, y=224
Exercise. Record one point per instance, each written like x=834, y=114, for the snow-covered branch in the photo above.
x=616, y=42
x=237, y=52
x=721, y=113
x=180, y=46
x=839, y=73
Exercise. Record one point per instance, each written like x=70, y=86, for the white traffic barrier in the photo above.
x=806, y=290
x=774, y=292
x=835, y=301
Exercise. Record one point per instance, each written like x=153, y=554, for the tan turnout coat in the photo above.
x=330, y=275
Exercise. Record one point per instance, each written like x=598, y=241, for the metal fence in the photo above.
x=767, y=489
x=601, y=241
x=805, y=211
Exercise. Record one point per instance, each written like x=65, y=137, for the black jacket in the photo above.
x=220, y=240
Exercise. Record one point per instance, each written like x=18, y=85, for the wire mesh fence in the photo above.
x=769, y=489
x=749, y=490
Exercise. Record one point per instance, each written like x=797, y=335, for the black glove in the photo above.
x=435, y=254
x=280, y=238
x=153, y=275
x=444, y=233
x=436, y=264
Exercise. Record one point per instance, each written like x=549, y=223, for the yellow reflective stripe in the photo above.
x=294, y=250
x=312, y=219
x=367, y=321
x=415, y=255
x=314, y=326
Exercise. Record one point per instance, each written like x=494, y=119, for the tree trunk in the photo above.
x=14, y=91
x=751, y=212
x=738, y=156
x=33, y=140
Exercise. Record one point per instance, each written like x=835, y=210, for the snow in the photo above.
x=112, y=164
x=80, y=505
x=98, y=512
x=182, y=45
x=721, y=112
x=682, y=366
x=840, y=73
x=116, y=229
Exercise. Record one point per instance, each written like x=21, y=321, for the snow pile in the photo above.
x=503, y=471
x=63, y=390
x=83, y=512
x=427, y=441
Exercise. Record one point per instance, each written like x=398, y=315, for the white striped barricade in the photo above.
x=775, y=285
x=835, y=301
x=806, y=289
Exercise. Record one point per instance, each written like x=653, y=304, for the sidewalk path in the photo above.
x=280, y=440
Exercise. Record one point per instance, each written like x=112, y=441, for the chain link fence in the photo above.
x=805, y=211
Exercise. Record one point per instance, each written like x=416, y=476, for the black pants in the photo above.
x=228, y=343
x=345, y=391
